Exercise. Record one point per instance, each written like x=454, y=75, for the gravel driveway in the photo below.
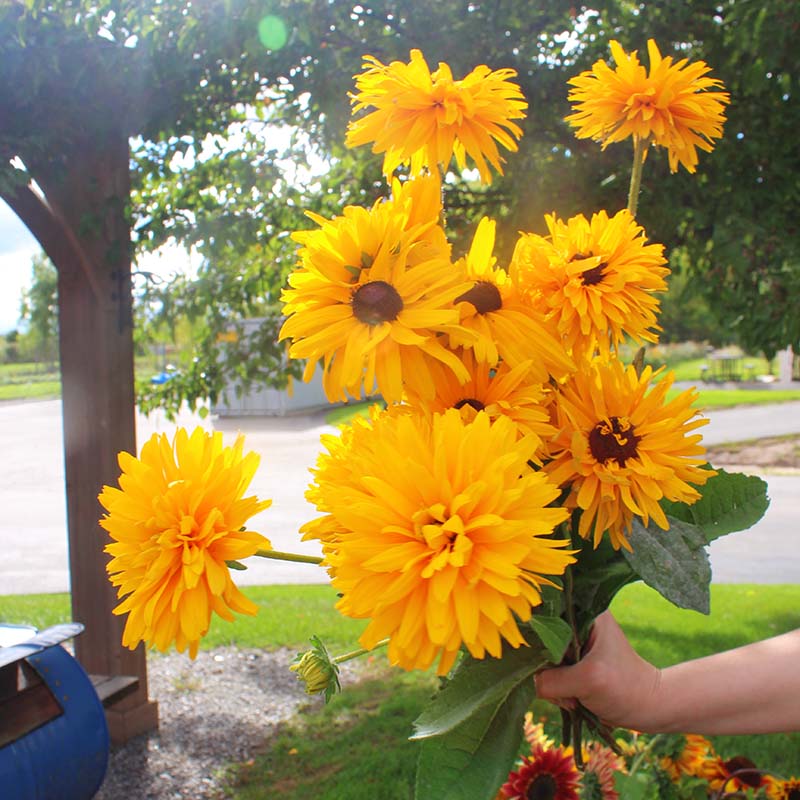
x=213, y=711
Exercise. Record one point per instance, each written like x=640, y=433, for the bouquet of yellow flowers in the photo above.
x=519, y=472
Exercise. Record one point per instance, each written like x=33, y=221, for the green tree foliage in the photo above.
x=39, y=309
x=224, y=120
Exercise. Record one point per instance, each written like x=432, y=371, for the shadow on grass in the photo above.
x=355, y=748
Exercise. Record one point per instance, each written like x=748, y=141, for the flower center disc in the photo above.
x=484, y=295
x=471, y=402
x=542, y=787
x=752, y=777
x=593, y=276
x=613, y=439
x=376, y=302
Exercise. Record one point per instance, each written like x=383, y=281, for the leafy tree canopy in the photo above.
x=221, y=110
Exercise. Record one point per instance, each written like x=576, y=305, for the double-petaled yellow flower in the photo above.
x=442, y=533
x=423, y=118
x=178, y=516
x=676, y=106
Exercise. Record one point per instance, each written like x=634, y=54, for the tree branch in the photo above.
x=52, y=232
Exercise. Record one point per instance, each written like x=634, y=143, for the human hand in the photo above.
x=611, y=680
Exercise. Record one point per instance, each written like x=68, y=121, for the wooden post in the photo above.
x=81, y=222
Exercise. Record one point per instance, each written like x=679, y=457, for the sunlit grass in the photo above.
x=356, y=748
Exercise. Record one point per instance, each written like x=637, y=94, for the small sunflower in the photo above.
x=533, y=732
x=788, y=789
x=734, y=774
x=497, y=321
x=695, y=751
x=175, y=521
x=500, y=391
x=601, y=764
x=373, y=291
x=622, y=447
x=676, y=106
x=443, y=533
x=423, y=118
x=548, y=773
x=593, y=280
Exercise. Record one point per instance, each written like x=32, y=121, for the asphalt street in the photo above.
x=33, y=538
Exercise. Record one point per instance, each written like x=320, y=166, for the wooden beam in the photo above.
x=82, y=223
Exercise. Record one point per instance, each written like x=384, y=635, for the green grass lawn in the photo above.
x=28, y=380
x=709, y=399
x=726, y=398
x=30, y=390
x=356, y=748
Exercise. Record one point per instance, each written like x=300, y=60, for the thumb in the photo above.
x=559, y=683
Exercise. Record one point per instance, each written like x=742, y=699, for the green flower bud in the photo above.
x=318, y=671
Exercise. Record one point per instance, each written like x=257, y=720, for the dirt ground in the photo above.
x=782, y=451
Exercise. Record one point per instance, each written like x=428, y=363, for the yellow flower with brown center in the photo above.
x=374, y=289
x=497, y=321
x=594, y=280
x=622, y=446
x=696, y=749
x=496, y=391
x=177, y=517
x=788, y=789
x=737, y=774
x=444, y=534
x=423, y=118
x=676, y=106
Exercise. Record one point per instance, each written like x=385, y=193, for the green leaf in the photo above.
x=633, y=787
x=554, y=633
x=597, y=576
x=552, y=599
x=730, y=502
x=471, y=761
x=673, y=562
x=477, y=685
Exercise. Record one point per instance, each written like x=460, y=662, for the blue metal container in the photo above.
x=66, y=757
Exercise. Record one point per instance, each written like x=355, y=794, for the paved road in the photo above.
x=751, y=422
x=33, y=517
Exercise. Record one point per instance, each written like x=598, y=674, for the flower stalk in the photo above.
x=279, y=555
x=640, y=145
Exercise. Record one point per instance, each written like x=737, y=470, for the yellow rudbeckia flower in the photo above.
x=423, y=118
x=676, y=106
x=178, y=516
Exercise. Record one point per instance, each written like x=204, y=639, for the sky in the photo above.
x=17, y=248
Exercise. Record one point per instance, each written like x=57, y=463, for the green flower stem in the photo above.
x=570, y=610
x=639, y=151
x=280, y=556
x=360, y=652
x=637, y=762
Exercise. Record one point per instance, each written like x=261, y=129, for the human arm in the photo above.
x=752, y=689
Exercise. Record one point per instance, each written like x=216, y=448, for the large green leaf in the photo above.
x=673, y=562
x=476, y=686
x=731, y=502
x=554, y=633
x=471, y=761
x=598, y=575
